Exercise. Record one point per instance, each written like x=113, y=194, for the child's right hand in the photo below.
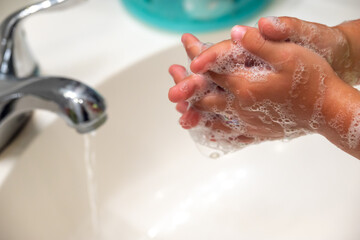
x=332, y=43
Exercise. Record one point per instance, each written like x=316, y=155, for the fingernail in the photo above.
x=170, y=70
x=238, y=32
x=183, y=37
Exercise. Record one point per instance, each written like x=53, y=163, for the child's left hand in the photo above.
x=187, y=85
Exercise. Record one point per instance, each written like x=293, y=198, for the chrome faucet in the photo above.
x=23, y=90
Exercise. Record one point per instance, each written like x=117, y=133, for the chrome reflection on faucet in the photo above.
x=23, y=90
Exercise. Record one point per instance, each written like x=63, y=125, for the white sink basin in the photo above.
x=153, y=183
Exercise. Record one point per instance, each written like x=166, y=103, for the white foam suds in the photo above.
x=353, y=135
x=317, y=119
x=281, y=114
x=214, y=142
x=299, y=78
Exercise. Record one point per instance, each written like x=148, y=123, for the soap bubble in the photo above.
x=215, y=143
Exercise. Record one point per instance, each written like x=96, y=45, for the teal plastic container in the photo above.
x=194, y=15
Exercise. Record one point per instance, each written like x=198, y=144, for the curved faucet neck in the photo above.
x=15, y=57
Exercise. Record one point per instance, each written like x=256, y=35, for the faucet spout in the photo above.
x=23, y=90
x=79, y=105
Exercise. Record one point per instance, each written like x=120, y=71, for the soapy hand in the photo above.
x=252, y=89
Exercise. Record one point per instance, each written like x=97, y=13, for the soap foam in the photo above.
x=236, y=131
x=337, y=123
x=278, y=25
x=350, y=71
x=351, y=77
x=233, y=61
x=299, y=78
x=203, y=134
x=184, y=87
x=279, y=113
x=317, y=119
x=353, y=135
x=210, y=87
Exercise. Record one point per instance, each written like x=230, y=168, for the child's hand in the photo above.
x=329, y=42
x=281, y=100
x=268, y=90
x=187, y=85
x=190, y=117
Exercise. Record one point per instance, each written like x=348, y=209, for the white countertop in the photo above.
x=94, y=40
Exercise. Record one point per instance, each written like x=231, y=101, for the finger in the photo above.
x=282, y=28
x=230, y=82
x=193, y=46
x=275, y=28
x=254, y=42
x=189, y=119
x=204, y=61
x=182, y=107
x=212, y=103
x=237, y=33
x=186, y=88
x=178, y=73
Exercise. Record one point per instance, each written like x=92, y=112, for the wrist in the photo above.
x=350, y=57
x=338, y=111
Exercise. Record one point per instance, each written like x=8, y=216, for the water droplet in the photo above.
x=214, y=155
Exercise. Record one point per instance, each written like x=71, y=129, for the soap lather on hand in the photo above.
x=279, y=81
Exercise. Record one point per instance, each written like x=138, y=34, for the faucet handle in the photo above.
x=15, y=58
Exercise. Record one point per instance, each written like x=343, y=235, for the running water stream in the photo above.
x=90, y=167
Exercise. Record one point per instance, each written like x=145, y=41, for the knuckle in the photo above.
x=287, y=56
